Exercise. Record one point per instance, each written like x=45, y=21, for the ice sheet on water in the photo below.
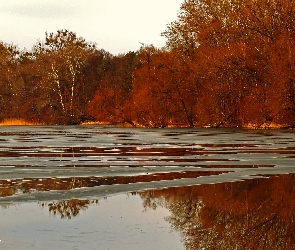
x=72, y=151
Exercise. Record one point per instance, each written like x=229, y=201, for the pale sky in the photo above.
x=118, y=26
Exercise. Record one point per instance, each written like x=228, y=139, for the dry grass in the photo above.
x=270, y=125
x=16, y=122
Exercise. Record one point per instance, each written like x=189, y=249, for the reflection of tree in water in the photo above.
x=31, y=185
x=5, y=206
x=253, y=214
x=68, y=208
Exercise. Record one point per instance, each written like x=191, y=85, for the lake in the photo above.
x=94, y=187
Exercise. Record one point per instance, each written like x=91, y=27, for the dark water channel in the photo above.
x=91, y=187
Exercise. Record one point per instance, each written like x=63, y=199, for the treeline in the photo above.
x=226, y=63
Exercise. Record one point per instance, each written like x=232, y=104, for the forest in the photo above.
x=226, y=63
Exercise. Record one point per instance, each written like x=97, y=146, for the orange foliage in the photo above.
x=227, y=63
x=251, y=214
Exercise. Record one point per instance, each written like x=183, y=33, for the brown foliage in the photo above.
x=227, y=63
x=252, y=214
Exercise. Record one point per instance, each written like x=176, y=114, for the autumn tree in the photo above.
x=61, y=59
x=93, y=73
x=111, y=102
x=164, y=91
x=11, y=84
x=150, y=95
x=241, y=44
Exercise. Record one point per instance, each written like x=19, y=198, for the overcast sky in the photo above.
x=118, y=26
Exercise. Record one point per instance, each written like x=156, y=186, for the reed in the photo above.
x=16, y=122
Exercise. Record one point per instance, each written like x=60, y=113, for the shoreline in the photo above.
x=266, y=126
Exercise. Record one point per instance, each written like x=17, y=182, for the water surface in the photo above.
x=80, y=187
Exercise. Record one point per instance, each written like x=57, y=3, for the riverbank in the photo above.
x=267, y=125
